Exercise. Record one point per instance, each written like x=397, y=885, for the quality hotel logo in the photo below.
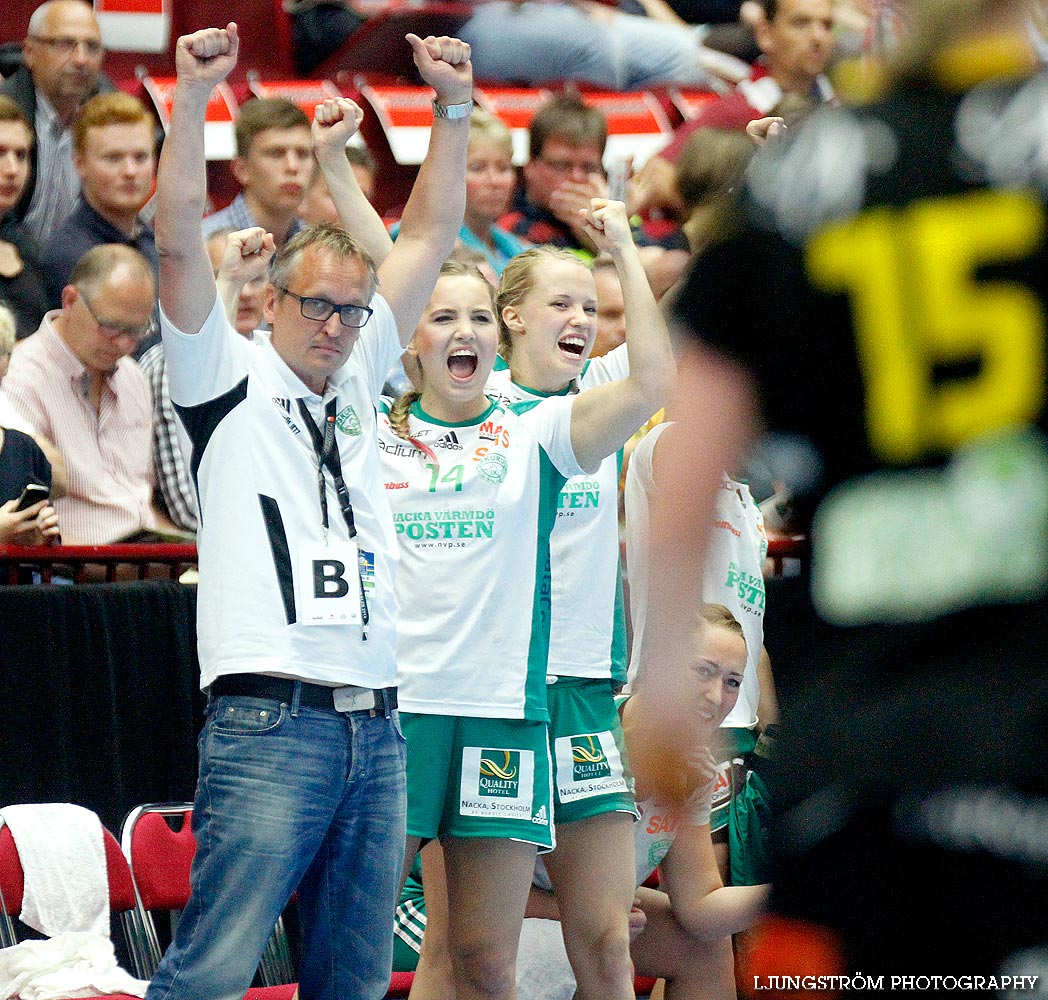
x=588, y=759
x=500, y=773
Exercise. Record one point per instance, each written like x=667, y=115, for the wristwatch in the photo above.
x=452, y=110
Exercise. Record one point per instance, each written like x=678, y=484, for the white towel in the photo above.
x=543, y=969
x=64, y=860
x=77, y=964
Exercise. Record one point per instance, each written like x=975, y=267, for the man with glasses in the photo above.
x=565, y=169
x=63, y=63
x=73, y=381
x=302, y=763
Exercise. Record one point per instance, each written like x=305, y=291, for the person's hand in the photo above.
x=762, y=130
x=607, y=225
x=335, y=121
x=654, y=187
x=572, y=197
x=246, y=256
x=638, y=920
x=206, y=57
x=36, y=525
x=47, y=526
x=444, y=63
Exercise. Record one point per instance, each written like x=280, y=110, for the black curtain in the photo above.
x=99, y=687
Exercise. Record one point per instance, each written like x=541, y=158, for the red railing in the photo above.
x=94, y=563
x=97, y=563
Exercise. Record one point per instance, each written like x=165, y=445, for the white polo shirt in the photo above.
x=255, y=467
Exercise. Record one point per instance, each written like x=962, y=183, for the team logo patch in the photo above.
x=500, y=773
x=493, y=469
x=348, y=422
x=588, y=764
x=497, y=783
x=588, y=758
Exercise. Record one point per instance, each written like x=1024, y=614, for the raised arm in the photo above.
x=335, y=122
x=245, y=258
x=187, y=285
x=605, y=417
x=433, y=215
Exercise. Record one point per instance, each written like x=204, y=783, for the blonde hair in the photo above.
x=485, y=127
x=517, y=281
x=326, y=238
x=401, y=408
x=719, y=616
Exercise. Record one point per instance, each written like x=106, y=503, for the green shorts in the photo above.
x=590, y=767
x=736, y=744
x=478, y=778
x=741, y=812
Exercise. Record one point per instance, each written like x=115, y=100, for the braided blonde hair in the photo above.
x=401, y=408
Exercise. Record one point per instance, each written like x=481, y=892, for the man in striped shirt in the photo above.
x=74, y=382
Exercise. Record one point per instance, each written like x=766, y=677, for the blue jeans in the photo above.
x=290, y=798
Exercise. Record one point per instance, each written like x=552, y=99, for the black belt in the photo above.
x=348, y=698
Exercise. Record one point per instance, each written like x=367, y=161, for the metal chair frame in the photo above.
x=276, y=966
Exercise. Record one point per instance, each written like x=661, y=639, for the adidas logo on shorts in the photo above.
x=540, y=817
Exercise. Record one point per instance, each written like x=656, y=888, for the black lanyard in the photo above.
x=328, y=457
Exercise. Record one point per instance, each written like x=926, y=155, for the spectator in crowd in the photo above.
x=241, y=280
x=63, y=68
x=611, y=310
x=565, y=169
x=796, y=39
x=564, y=172
x=21, y=278
x=73, y=381
x=327, y=755
x=490, y=182
x=21, y=462
x=114, y=155
x=318, y=208
x=274, y=166
x=532, y=42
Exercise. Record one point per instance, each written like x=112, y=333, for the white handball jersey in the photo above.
x=734, y=566
x=588, y=631
x=255, y=468
x=473, y=530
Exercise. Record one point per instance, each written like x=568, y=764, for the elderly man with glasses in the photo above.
x=74, y=382
x=63, y=68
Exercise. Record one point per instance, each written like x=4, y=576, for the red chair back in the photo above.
x=161, y=858
x=12, y=881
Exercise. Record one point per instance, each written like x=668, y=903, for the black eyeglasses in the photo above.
x=66, y=46
x=115, y=330
x=320, y=310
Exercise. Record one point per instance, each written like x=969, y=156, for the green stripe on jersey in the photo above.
x=551, y=482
